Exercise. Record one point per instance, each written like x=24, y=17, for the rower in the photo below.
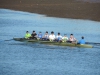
x=34, y=35
x=27, y=35
x=39, y=35
x=52, y=36
x=82, y=41
x=46, y=36
x=64, y=38
x=58, y=37
x=72, y=39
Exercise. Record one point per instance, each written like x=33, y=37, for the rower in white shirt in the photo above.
x=52, y=36
x=46, y=36
x=58, y=37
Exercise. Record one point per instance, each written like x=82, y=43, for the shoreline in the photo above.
x=62, y=9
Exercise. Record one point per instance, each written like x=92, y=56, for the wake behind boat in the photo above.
x=53, y=43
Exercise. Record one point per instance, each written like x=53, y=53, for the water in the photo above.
x=22, y=58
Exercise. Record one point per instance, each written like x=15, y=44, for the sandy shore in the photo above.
x=56, y=8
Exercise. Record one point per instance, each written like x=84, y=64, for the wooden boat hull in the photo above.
x=54, y=43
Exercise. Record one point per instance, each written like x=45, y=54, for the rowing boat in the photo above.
x=54, y=43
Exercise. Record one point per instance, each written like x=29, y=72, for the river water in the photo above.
x=23, y=58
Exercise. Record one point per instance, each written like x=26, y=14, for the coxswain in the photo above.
x=82, y=41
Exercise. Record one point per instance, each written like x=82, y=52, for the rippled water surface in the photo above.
x=23, y=58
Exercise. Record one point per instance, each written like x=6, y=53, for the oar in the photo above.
x=92, y=43
x=8, y=40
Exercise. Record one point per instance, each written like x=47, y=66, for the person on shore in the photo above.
x=46, y=36
x=82, y=41
x=58, y=37
x=34, y=35
x=27, y=35
x=52, y=36
x=64, y=38
x=39, y=36
x=72, y=39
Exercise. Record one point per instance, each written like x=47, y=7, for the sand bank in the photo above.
x=57, y=8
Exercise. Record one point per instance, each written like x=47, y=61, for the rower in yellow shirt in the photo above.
x=27, y=35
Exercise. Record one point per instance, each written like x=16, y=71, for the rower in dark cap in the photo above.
x=58, y=37
x=52, y=36
x=34, y=35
